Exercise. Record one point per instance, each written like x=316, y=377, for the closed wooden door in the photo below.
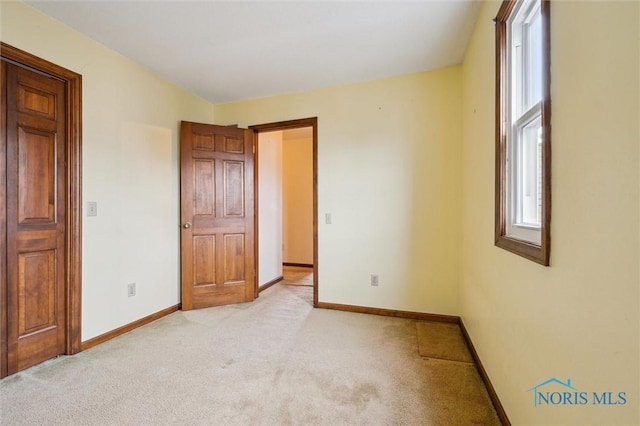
x=34, y=209
x=217, y=238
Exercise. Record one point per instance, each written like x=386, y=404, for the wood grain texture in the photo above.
x=217, y=259
x=88, y=344
x=502, y=414
x=299, y=265
x=3, y=222
x=33, y=101
x=256, y=209
x=234, y=258
x=36, y=225
x=233, y=188
x=233, y=145
x=204, y=188
x=273, y=282
x=546, y=126
x=36, y=176
x=204, y=260
x=390, y=312
x=36, y=292
x=286, y=125
x=38, y=103
x=201, y=141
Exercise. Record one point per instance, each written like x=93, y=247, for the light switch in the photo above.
x=327, y=218
x=92, y=208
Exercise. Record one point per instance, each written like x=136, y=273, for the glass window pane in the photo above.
x=530, y=178
x=534, y=65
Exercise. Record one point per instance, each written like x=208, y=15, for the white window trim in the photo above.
x=516, y=228
x=517, y=64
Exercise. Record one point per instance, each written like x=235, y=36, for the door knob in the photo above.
x=187, y=225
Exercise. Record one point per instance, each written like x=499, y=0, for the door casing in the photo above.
x=287, y=125
x=73, y=224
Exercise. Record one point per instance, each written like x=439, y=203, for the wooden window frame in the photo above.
x=537, y=253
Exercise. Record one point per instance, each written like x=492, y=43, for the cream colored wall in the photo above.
x=399, y=160
x=270, y=204
x=297, y=192
x=130, y=168
x=389, y=173
x=577, y=319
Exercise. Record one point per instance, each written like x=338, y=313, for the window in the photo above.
x=523, y=130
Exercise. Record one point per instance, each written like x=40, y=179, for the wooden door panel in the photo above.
x=226, y=295
x=217, y=204
x=35, y=218
x=233, y=188
x=36, y=292
x=36, y=176
x=36, y=96
x=204, y=187
x=234, y=258
x=204, y=260
x=233, y=145
x=34, y=101
x=36, y=240
x=204, y=141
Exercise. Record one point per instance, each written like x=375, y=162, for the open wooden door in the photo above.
x=217, y=238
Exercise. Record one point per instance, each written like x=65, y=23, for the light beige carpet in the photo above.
x=276, y=361
x=442, y=341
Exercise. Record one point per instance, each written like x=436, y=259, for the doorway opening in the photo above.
x=286, y=204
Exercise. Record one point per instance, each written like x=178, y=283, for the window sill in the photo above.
x=533, y=252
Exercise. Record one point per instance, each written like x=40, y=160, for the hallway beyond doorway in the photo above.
x=298, y=280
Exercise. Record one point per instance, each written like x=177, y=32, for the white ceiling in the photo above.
x=231, y=50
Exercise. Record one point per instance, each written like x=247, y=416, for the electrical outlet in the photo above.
x=374, y=280
x=131, y=289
